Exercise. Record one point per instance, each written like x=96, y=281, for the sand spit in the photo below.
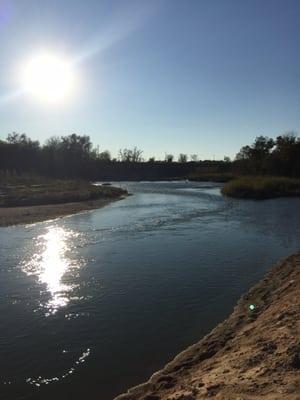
x=31, y=214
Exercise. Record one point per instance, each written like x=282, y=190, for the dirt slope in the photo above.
x=254, y=354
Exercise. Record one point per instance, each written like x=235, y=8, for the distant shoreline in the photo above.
x=30, y=214
x=254, y=353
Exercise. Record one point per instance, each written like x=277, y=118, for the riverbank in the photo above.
x=31, y=214
x=254, y=354
x=31, y=200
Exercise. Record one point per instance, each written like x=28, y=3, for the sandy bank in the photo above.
x=254, y=354
x=30, y=214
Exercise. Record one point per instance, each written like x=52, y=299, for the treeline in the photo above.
x=267, y=156
x=74, y=156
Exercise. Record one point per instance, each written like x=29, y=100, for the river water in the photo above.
x=95, y=303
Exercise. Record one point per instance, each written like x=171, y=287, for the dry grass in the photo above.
x=261, y=187
x=30, y=191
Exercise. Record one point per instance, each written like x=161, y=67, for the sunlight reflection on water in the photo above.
x=45, y=381
x=51, y=263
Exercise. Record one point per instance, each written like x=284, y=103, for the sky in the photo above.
x=167, y=76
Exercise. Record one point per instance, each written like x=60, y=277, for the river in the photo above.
x=94, y=303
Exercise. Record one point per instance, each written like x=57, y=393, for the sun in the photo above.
x=48, y=77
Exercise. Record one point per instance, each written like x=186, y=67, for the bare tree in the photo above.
x=194, y=157
x=22, y=140
x=137, y=155
x=130, y=155
x=182, y=158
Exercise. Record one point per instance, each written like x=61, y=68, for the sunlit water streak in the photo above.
x=50, y=264
x=40, y=380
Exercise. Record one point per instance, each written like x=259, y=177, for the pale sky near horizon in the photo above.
x=167, y=76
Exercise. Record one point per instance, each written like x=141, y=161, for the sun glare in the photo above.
x=48, y=77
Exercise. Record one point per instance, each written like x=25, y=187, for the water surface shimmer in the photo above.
x=94, y=303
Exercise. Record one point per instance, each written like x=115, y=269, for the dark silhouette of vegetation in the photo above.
x=104, y=156
x=130, y=155
x=169, y=158
x=266, y=156
x=194, y=157
x=271, y=166
x=182, y=158
x=74, y=157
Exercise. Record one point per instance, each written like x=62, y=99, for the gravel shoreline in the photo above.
x=31, y=214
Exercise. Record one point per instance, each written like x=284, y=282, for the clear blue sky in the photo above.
x=191, y=76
